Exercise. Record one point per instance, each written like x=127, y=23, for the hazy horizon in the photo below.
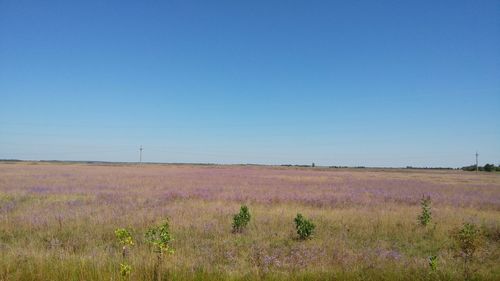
x=138, y=161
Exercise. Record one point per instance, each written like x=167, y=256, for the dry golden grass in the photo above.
x=57, y=222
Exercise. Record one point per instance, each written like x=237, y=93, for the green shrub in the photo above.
x=241, y=220
x=425, y=217
x=125, y=239
x=305, y=228
x=468, y=240
x=160, y=238
x=125, y=269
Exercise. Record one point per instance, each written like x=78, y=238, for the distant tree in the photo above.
x=489, y=167
x=467, y=168
x=313, y=165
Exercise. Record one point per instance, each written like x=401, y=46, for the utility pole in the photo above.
x=140, y=155
x=477, y=167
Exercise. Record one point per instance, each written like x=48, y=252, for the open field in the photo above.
x=57, y=222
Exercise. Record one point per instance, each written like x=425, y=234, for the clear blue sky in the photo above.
x=374, y=83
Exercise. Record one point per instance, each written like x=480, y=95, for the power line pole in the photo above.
x=140, y=155
x=477, y=167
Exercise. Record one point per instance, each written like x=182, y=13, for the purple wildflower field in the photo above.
x=366, y=219
x=319, y=188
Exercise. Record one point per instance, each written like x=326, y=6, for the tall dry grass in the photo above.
x=57, y=222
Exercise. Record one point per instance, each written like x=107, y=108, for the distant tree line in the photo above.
x=429, y=168
x=344, y=167
x=486, y=168
x=300, y=166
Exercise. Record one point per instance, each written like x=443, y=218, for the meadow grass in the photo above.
x=57, y=222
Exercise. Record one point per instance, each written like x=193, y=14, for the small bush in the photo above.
x=241, y=220
x=160, y=238
x=125, y=239
x=305, y=228
x=425, y=217
x=468, y=242
x=125, y=269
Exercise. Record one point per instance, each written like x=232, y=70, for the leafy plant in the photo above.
x=468, y=243
x=433, y=261
x=123, y=236
x=305, y=228
x=241, y=220
x=125, y=269
x=160, y=238
x=125, y=239
x=425, y=217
